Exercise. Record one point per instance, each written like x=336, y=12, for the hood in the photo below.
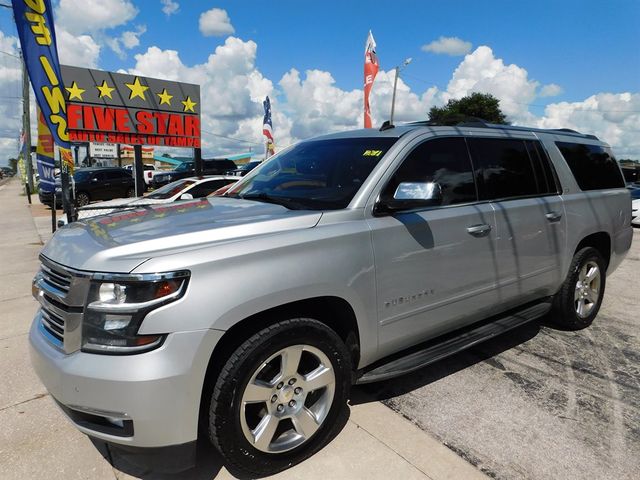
x=119, y=242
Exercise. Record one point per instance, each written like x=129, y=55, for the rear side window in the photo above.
x=504, y=168
x=545, y=174
x=593, y=166
x=444, y=161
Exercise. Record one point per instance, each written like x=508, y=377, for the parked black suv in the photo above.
x=188, y=169
x=96, y=183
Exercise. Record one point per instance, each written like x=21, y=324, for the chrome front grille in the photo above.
x=61, y=293
x=54, y=325
x=56, y=278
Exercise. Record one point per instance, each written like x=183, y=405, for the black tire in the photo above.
x=225, y=429
x=564, y=312
x=82, y=199
x=131, y=192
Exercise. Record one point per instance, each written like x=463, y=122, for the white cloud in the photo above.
x=77, y=50
x=310, y=103
x=131, y=39
x=481, y=71
x=612, y=117
x=232, y=90
x=169, y=7
x=215, y=23
x=453, y=46
x=551, y=90
x=88, y=16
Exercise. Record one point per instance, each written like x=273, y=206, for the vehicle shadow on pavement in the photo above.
x=483, y=352
x=208, y=461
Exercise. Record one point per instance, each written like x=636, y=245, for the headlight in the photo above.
x=117, y=306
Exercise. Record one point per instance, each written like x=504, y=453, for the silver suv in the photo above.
x=348, y=258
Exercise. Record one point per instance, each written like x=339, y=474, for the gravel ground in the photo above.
x=540, y=403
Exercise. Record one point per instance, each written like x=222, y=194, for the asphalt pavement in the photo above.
x=539, y=402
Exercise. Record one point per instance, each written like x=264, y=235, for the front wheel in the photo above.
x=279, y=396
x=83, y=199
x=131, y=192
x=578, y=301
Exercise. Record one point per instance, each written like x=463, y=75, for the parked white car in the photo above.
x=184, y=189
x=635, y=213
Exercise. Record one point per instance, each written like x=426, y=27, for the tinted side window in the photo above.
x=504, y=168
x=443, y=160
x=592, y=166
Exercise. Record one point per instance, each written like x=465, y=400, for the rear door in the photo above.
x=120, y=182
x=515, y=175
x=435, y=267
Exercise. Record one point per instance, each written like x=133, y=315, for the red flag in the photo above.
x=370, y=71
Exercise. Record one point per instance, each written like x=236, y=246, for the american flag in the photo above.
x=267, y=127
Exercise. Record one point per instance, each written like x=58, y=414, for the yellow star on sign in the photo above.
x=105, y=90
x=165, y=97
x=137, y=89
x=75, y=91
x=189, y=104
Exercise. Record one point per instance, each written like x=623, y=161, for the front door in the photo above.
x=436, y=268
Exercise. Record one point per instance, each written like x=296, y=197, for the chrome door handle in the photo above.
x=553, y=216
x=479, y=230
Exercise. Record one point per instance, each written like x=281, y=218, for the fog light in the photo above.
x=118, y=422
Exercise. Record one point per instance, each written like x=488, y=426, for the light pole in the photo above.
x=406, y=62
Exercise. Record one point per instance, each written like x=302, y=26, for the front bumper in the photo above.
x=158, y=392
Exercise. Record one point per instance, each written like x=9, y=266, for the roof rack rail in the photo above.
x=387, y=125
x=475, y=122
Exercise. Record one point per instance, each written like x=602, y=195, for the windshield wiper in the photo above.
x=289, y=203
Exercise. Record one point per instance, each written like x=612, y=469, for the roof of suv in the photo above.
x=399, y=130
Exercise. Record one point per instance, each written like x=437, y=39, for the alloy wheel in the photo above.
x=587, y=290
x=287, y=399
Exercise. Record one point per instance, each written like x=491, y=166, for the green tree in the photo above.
x=480, y=105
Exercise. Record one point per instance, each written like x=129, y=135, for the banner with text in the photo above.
x=37, y=34
x=107, y=107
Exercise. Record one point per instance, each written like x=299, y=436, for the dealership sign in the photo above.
x=107, y=107
x=103, y=150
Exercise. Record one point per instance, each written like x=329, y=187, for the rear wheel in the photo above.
x=279, y=396
x=578, y=301
x=131, y=192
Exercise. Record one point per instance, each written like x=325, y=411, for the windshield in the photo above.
x=170, y=190
x=184, y=166
x=314, y=175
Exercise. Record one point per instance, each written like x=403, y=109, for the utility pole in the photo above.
x=26, y=124
x=395, y=85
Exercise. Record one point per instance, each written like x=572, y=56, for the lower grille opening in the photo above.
x=99, y=423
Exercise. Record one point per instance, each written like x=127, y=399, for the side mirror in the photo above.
x=425, y=191
x=186, y=196
x=412, y=195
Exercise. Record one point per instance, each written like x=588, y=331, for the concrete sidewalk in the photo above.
x=36, y=441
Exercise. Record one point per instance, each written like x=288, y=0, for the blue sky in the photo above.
x=585, y=46
x=552, y=64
